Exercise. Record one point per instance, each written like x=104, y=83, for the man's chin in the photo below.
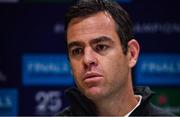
x=93, y=93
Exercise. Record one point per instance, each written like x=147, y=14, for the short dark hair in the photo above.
x=85, y=8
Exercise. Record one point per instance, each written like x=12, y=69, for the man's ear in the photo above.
x=133, y=52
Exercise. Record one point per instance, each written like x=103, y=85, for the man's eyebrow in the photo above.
x=101, y=39
x=93, y=41
x=75, y=43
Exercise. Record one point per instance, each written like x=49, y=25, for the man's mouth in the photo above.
x=91, y=75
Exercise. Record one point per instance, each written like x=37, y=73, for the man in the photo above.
x=102, y=53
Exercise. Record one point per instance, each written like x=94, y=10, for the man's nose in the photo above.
x=89, y=58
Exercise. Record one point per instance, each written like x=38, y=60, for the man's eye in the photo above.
x=77, y=51
x=101, y=48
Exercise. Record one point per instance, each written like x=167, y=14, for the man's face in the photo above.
x=99, y=66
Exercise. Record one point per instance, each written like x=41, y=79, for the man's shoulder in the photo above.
x=65, y=112
x=157, y=111
x=146, y=108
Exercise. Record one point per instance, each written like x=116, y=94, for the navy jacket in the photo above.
x=81, y=106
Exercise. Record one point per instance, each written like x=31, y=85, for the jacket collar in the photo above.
x=81, y=105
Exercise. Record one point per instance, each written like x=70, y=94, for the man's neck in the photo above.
x=117, y=105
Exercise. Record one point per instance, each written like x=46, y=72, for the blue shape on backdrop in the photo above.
x=8, y=102
x=158, y=69
x=46, y=69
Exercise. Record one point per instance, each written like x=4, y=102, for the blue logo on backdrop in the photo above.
x=158, y=69
x=8, y=102
x=46, y=70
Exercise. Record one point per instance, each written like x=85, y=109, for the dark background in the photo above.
x=35, y=27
